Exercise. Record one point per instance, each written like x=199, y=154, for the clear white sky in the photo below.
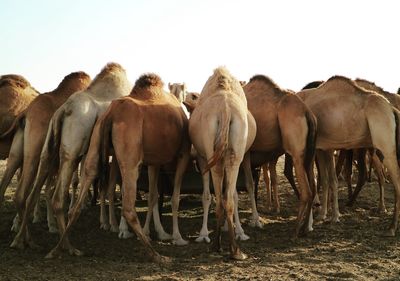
x=293, y=42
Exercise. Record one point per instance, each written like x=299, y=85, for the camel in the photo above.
x=222, y=130
x=148, y=127
x=31, y=128
x=361, y=153
x=16, y=93
x=68, y=138
x=178, y=90
x=351, y=117
x=191, y=102
x=284, y=124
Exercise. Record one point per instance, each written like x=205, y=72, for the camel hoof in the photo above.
x=389, y=233
x=114, y=228
x=53, y=229
x=242, y=236
x=256, y=223
x=75, y=252
x=161, y=259
x=335, y=219
x=180, y=242
x=125, y=234
x=53, y=254
x=239, y=256
x=202, y=238
x=163, y=236
x=17, y=244
x=105, y=226
x=382, y=210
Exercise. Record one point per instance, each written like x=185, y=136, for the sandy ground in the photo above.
x=353, y=249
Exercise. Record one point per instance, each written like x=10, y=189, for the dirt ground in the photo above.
x=353, y=249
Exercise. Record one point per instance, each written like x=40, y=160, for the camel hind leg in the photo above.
x=14, y=162
x=383, y=123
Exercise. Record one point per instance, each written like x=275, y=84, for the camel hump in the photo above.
x=224, y=78
x=14, y=80
x=74, y=76
x=312, y=85
x=149, y=80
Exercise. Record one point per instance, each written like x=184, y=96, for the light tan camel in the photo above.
x=68, y=138
x=15, y=94
x=31, y=126
x=222, y=130
x=147, y=127
x=351, y=117
x=284, y=124
x=360, y=154
x=191, y=101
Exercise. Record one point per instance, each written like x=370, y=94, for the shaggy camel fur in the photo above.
x=15, y=94
x=284, y=124
x=148, y=127
x=68, y=137
x=191, y=102
x=31, y=126
x=222, y=130
x=351, y=117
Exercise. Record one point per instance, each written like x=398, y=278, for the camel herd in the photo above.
x=101, y=132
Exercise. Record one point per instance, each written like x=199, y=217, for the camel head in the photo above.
x=178, y=90
x=190, y=101
x=398, y=91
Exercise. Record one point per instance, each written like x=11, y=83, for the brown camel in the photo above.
x=351, y=117
x=284, y=124
x=147, y=127
x=15, y=94
x=31, y=128
x=222, y=130
x=68, y=138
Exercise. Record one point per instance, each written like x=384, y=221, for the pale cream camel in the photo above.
x=222, y=130
x=351, y=117
x=31, y=126
x=148, y=127
x=68, y=138
x=191, y=101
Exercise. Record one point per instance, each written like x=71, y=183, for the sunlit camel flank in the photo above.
x=222, y=130
x=69, y=135
x=351, y=117
x=27, y=146
x=16, y=93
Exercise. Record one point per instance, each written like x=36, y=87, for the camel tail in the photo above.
x=397, y=118
x=19, y=122
x=311, y=141
x=221, y=140
x=105, y=151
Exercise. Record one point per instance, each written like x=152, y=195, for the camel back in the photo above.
x=222, y=82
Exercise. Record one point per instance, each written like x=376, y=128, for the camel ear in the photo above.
x=188, y=106
x=169, y=86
